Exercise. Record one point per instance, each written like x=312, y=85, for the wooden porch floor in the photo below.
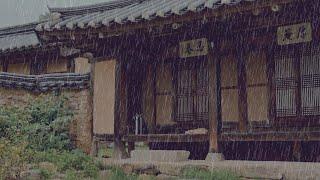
x=234, y=136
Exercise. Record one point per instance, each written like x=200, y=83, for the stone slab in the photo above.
x=160, y=155
x=214, y=157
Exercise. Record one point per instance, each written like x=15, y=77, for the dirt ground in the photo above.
x=246, y=169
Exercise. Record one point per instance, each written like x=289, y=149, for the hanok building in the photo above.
x=23, y=52
x=30, y=68
x=238, y=77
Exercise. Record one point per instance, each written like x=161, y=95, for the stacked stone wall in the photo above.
x=79, y=100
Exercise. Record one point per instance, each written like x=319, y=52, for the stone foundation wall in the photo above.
x=79, y=100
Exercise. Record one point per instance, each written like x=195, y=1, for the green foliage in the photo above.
x=39, y=132
x=72, y=175
x=12, y=158
x=68, y=161
x=118, y=174
x=198, y=173
x=46, y=174
x=43, y=123
x=49, y=124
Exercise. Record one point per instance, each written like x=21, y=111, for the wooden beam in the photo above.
x=120, y=110
x=272, y=136
x=242, y=87
x=214, y=129
x=167, y=138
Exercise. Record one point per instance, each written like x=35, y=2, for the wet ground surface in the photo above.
x=246, y=169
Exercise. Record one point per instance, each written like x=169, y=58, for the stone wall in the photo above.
x=79, y=100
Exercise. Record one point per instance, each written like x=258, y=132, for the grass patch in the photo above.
x=198, y=173
x=118, y=174
x=74, y=160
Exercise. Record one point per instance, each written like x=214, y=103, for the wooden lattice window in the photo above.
x=297, y=82
x=285, y=84
x=192, y=90
x=310, y=82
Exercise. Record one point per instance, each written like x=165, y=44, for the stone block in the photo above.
x=147, y=169
x=214, y=157
x=160, y=155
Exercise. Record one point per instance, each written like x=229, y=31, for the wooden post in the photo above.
x=242, y=85
x=94, y=146
x=120, y=110
x=2, y=63
x=131, y=147
x=271, y=88
x=5, y=65
x=214, y=121
x=296, y=152
x=154, y=90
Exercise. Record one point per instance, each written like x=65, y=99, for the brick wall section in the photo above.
x=80, y=102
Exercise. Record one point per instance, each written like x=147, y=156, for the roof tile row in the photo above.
x=133, y=11
x=42, y=83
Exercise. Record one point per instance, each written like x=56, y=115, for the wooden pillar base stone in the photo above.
x=211, y=157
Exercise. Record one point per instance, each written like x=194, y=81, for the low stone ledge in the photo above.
x=159, y=155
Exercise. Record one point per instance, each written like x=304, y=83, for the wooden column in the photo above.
x=296, y=151
x=242, y=87
x=271, y=87
x=214, y=120
x=4, y=65
x=91, y=59
x=120, y=110
x=154, y=90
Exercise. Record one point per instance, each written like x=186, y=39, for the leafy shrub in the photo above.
x=43, y=123
x=39, y=132
x=49, y=124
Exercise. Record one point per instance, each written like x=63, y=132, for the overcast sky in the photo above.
x=14, y=12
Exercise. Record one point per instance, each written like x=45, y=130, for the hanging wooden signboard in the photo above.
x=293, y=34
x=192, y=48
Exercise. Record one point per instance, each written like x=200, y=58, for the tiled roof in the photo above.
x=43, y=83
x=126, y=11
x=93, y=8
x=16, y=37
x=20, y=40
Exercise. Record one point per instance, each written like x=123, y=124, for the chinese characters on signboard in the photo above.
x=192, y=48
x=293, y=34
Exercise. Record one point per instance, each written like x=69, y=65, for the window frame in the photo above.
x=299, y=119
x=195, y=123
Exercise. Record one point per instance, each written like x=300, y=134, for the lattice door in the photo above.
x=310, y=82
x=286, y=85
x=192, y=91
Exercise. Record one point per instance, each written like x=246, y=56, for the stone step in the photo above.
x=160, y=155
